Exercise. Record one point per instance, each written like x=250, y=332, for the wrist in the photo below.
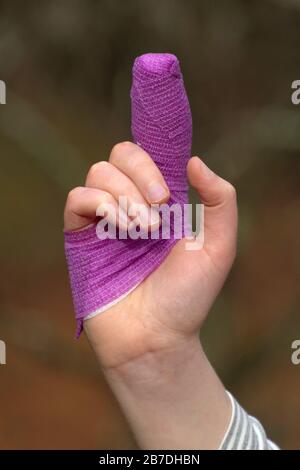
x=160, y=361
x=172, y=398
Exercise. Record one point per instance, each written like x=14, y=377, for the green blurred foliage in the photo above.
x=67, y=67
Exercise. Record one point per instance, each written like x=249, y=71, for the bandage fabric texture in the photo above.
x=104, y=271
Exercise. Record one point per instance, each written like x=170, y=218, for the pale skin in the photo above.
x=148, y=344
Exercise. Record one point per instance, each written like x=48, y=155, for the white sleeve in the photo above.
x=245, y=432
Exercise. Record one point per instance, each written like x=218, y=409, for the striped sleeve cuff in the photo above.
x=245, y=432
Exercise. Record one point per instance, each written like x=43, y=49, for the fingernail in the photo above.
x=157, y=192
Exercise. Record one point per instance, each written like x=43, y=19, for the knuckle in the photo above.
x=107, y=198
x=138, y=165
x=96, y=168
x=128, y=189
x=229, y=190
x=74, y=193
x=72, y=198
x=119, y=149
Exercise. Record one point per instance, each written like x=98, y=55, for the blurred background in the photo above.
x=67, y=67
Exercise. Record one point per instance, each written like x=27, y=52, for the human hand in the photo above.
x=170, y=305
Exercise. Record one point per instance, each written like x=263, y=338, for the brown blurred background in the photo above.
x=67, y=67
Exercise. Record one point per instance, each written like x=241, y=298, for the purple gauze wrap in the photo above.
x=102, y=272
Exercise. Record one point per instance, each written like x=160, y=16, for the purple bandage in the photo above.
x=104, y=271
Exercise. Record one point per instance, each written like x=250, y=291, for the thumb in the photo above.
x=220, y=209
